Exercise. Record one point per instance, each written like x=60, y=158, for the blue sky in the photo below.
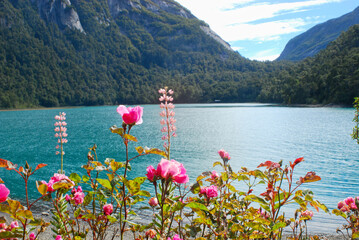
x=260, y=29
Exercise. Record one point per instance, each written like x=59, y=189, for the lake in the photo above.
x=251, y=133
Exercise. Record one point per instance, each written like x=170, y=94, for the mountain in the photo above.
x=95, y=52
x=318, y=37
x=330, y=77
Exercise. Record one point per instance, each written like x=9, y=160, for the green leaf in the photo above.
x=196, y=188
x=279, y=225
x=355, y=235
x=119, y=131
x=105, y=183
x=87, y=200
x=196, y=206
x=339, y=213
x=143, y=193
x=42, y=188
x=75, y=177
x=157, y=152
x=217, y=163
x=140, y=150
x=85, y=178
x=26, y=214
x=130, y=137
x=255, y=198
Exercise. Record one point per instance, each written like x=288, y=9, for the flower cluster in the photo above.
x=58, y=179
x=5, y=228
x=131, y=116
x=348, y=204
x=168, y=120
x=175, y=237
x=4, y=193
x=224, y=155
x=107, y=209
x=166, y=169
x=307, y=214
x=77, y=196
x=209, y=192
x=61, y=131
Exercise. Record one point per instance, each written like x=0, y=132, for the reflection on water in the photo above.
x=251, y=133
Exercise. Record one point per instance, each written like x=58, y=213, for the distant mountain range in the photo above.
x=101, y=52
x=318, y=37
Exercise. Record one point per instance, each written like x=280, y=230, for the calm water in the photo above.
x=251, y=133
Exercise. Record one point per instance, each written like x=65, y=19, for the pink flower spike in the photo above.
x=57, y=117
x=170, y=91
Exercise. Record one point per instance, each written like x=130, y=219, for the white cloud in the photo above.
x=266, y=55
x=233, y=22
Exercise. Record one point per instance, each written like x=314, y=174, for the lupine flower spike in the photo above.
x=168, y=120
x=61, y=134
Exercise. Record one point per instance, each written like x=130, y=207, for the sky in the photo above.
x=260, y=29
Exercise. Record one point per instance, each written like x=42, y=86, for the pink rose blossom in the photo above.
x=14, y=224
x=341, y=204
x=4, y=193
x=32, y=236
x=58, y=178
x=79, y=198
x=214, y=175
x=107, y=209
x=224, y=155
x=307, y=213
x=151, y=172
x=58, y=237
x=175, y=237
x=210, y=191
x=131, y=115
x=349, y=201
x=172, y=169
x=153, y=202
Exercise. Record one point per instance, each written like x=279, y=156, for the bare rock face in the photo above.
x=61, y=12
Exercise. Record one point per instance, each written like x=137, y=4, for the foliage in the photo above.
x=355, y=134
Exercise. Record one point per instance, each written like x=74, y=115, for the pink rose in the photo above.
x=172, y=169
x=210, y=191
x=151, y=172
x=58, y=237
x=14, y=224
x=349, y=201
x=107, y=209
x=175, y=237
x=68, y=198
x=58, y=178
x=4, y=193
x=224, y=155
x=131, y=115
x=32, y=236
x=214, y=175
x=307, y=213
x=79, y=198
x=341, y=204
x=153, y=202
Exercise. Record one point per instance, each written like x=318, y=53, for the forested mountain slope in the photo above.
x=318, y=37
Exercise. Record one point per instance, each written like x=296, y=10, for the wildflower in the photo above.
x=168, y=116
x=59, y=179
x=151, y=172
x=58, y=237
x=107, y=209
x=172, y=169
x=151, y=233
x=32, y=236
x=175, y=237
x=4, y=193
x=307, y=214
x=224, y=155
x=14, y=224
x=153, y=202
x=214, y=175
x=131, y=116
x=210, y=191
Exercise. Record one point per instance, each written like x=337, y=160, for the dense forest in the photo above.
x=123, y=57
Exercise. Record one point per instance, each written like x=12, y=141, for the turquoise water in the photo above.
x=251, y=133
